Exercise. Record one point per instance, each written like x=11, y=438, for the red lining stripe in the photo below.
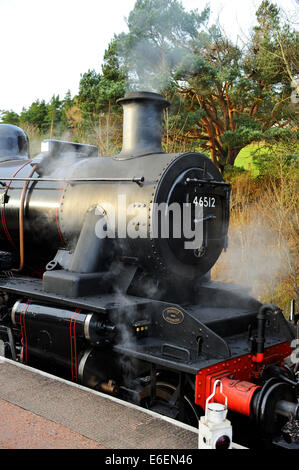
x=73, y=338
x=4, y=225
x=23, y=331
x=75, y=345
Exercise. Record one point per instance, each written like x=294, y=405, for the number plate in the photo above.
x=204, y=201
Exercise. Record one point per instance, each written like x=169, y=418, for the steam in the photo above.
x=151, y=68
x=159, y=41
x=253, y=259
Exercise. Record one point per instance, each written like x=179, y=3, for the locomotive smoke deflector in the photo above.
x=142, y=123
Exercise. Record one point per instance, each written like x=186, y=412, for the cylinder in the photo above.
x=41, y=324
x=56, y=337
x=239, y=394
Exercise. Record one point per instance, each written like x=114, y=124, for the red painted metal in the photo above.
x=239, y=394
x=240, y=377
x=259, y=357
x=3, y=219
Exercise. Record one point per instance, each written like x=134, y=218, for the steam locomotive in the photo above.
x=128, y=307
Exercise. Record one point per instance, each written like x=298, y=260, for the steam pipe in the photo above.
x=75, y=180
x=292, y=312
x=261, y=323
x=89, y=248
x=21, y=220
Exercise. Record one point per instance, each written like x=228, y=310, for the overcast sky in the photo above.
x=47, y=44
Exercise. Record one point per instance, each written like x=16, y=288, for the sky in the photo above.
x=45, y=45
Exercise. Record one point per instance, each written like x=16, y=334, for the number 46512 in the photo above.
x=204, y=201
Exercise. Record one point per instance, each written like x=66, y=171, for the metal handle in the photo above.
x=214, y=392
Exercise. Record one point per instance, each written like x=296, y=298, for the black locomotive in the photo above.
x=123, y=307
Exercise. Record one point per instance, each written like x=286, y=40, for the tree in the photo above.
x=10, y=117
x=55, y=116
x=160, y=32
x=68, y=101
x=36, y=115
x=211, y=80
x=47, y=116
x=230, y=97
x=276, y=45
x=98, y=92
x=244, y=96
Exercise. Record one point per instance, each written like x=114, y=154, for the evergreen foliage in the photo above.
x=223, y=96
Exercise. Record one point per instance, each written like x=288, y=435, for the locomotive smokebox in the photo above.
x=142, y=123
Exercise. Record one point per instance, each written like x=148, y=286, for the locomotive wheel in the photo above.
x=265, y=406
x=165, y=392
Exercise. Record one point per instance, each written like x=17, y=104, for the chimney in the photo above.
x=142, y=123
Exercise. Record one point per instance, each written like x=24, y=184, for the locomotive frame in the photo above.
x=138, y=318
